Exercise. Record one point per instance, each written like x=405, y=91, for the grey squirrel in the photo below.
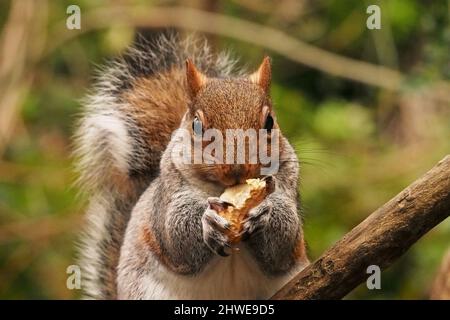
x=152, y=231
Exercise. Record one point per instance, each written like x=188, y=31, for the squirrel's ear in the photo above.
x=195, y=79
x=263, y=75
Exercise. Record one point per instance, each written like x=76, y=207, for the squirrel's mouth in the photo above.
x=238, y=174
x=228, y=175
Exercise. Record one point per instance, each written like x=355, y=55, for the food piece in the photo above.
x=242, y=198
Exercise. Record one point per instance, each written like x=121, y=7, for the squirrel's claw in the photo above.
x=216, y=204
x=214, y=232
x=257, y=218
x=270, y=181
x=215, y=220
x=222, y=251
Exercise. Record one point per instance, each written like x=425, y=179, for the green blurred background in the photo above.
x=362, y=133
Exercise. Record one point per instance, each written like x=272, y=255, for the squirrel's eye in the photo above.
x=268, y=125
x=197, y=126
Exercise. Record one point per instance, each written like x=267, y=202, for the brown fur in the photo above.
x=231, y=103
x=149, y=241
x=122, y=183
x=158, y=104
x=126, y=125
x=263, y=76
x=195, y=79
x=300, y=251
x=142, y=100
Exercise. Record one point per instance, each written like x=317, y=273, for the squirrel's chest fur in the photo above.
x=233, y=277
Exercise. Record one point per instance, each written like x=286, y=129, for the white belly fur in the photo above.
x=233, y=277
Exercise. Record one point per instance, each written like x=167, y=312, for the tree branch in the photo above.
x=243, y=30
x=215, y=23
x=379, y=240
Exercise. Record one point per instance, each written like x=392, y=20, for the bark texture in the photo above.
x=379, y=240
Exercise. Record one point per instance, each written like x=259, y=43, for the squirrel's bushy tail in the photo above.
x=116, y=157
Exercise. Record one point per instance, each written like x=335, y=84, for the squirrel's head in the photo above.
x=222, y=104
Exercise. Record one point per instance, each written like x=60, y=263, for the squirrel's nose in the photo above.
x=238, y=173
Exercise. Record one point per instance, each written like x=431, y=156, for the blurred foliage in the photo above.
x=359, y=145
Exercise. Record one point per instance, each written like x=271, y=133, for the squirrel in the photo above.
x=152, y=229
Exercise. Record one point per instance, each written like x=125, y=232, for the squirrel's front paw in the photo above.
x=215, y=228
x=257, y=219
